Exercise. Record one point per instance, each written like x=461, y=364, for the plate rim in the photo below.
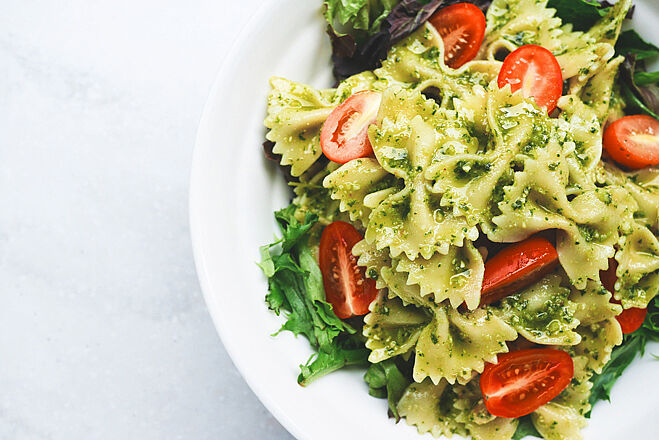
x=194, y=221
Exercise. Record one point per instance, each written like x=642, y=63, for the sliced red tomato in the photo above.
x=344, y=135
x=536, y=72
x=346, y=285
x=630, y=319
x=522, y=381
x=517, y=266
x=462, y=28
x=633, y=141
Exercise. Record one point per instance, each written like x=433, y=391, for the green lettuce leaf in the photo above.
x=646, y=78
x=525, y=428
x=295, y=288
x=582, y=14
x=630, y=42
x=351, y=16
x=347, y=350
x=387, y=379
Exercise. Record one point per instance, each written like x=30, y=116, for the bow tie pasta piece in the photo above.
x=514, y=23
x=446, y=410
x=456, y=276
x=587, y=226
x=643, y=185
x=296, y=113
x=564, y=416
x=411, y=221
x=597, y=342
x=454, y=345
x=542, y=313
x=391, y=328
x=422, y=406
x=373, y=260
x=638, y=268
x=408, y=293
x=593, y=304
x=597, y=90
x=468, y=172
x=556, y=190
x=607, y=29
x=414, y=60
x=638, y=247
x=359, y=185
x=448, y=344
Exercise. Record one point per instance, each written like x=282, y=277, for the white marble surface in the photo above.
x=103, y=330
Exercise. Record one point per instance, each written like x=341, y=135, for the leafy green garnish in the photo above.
x=525, y=428
x=632, y=345
x=346, y=350
x=351, y=16
x=630, y=42
x=646, y=78
x=295, y=287
x=582, y=14
x=388, y=379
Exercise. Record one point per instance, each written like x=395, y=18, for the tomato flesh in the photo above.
x=633, y=141
x=517, y=266
x=346, y=285
x=630, y=319
x=462, y=28
x=344, y=135
x=536, y=72
x=522, y=381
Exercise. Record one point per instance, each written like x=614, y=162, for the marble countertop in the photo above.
x=104, y=333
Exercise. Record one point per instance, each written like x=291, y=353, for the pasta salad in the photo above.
x=475, y=212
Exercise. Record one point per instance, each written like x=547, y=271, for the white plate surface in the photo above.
x=234, y=191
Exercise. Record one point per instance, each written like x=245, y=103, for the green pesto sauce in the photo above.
x=548, y=319
x=471, y=169
x=498, y=193
x=590, y=234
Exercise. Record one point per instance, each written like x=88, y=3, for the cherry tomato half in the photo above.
x=522, y=381
x=517, y=266
x=346, y=285
x=535, y=71
x=630, y=319
x=462, y=28
x=633, y=141
x=344, y=135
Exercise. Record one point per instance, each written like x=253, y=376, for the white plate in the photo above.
x=234, y=191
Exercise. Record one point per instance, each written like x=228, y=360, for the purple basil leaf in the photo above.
x=408, y=16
